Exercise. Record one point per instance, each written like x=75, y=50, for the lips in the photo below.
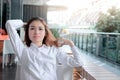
x=36, y=36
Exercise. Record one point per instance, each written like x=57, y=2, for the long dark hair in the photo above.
x=49, y=39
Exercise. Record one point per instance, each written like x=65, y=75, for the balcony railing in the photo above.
x=106, y=45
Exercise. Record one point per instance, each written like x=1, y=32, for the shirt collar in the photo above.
x=35, y=46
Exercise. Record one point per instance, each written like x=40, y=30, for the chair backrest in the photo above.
x=7, y=47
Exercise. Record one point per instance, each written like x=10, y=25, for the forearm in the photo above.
x=16, y=23
x=77, y=57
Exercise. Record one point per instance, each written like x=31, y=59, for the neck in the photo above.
x=39, y=44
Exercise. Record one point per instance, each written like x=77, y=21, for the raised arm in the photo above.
x=73, y=61
x=17, y=44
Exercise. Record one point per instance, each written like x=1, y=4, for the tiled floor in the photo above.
x=114, y=68
x=8, y=73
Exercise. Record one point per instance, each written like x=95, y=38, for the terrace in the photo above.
x=100, y=50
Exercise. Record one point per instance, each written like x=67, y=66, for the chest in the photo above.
x=38, y=57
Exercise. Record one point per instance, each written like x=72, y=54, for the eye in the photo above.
x=32, y=28
x=40, y=28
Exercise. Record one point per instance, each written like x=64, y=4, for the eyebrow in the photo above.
x=38, y=26
x=32, y=26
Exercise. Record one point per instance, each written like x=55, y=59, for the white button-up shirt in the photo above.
x=39, y=63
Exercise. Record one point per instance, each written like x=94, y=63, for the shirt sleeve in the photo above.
x=17, y=44
x=73, y=61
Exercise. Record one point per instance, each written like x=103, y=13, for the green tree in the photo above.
x=110, y=21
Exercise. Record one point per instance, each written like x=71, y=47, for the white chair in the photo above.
x=7, y=49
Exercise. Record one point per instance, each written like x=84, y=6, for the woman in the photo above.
x=40, y=52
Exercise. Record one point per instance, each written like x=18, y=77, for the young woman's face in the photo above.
x=36, y=32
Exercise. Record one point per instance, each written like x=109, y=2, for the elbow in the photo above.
x=79, y=63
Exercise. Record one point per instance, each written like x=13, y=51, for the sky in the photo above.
x=74, y=5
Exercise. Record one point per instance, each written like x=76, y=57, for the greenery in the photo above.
x=110, y=21
x=55, y=32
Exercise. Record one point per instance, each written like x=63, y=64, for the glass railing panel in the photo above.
x=106, y=45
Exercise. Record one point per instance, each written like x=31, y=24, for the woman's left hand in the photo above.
x=63, y=41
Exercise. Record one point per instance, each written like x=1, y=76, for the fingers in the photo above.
x=63, y=41
x=60, y=42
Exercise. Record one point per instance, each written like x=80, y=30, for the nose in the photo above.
x=36, y=31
